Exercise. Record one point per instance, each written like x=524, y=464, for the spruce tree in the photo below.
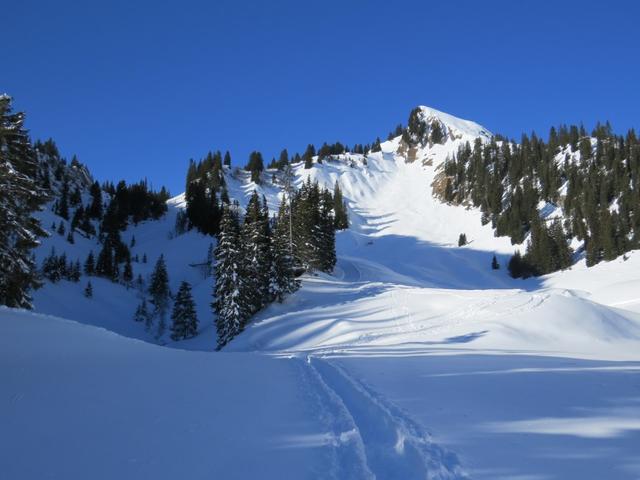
x=89, y=264
x=88, y=290
x=494, y=263
x=256, y=242
x=340, y=209
x=185, y=321
x=160, y=294
x=20, y=197
x=231, y=300
x=282, y=278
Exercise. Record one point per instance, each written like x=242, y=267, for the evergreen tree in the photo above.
x=309, y=153
x=227, y=159
x=340, y=209
x=282, y=278
x=185, y=322
x=462, y=239
x=105, y=263
x=256, y=242
x=89, y=264
x=436, y=133
x=127, y=274
x=20, y=197
x=231, y=304
x=255, y=166
x=95, y=207
x=494, y=263
x=160, y=294
x=88, y=290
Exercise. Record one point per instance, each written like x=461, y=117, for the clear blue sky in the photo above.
x=137, y=88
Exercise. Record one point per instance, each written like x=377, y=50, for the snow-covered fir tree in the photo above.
x=185, y=321
x=232, y=305
x=282, y=278
x=20, y=197
x=256, y=242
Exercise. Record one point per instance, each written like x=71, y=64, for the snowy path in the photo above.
x=391, y=445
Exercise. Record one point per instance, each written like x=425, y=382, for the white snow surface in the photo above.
x=413, y=360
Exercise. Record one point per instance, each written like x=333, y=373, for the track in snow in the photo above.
x=372, y=438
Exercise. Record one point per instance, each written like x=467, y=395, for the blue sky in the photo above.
x=135, y=89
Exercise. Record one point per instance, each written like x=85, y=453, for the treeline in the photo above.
x=205, y=190
x=258, y=258
x=594, y=180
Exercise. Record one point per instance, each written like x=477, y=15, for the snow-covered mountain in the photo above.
x=533, y=378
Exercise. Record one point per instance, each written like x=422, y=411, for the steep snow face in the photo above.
x=454, y=127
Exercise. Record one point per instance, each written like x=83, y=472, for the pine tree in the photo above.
x=282, y=278
x=462, y=240
x=95, y=208
x=89, y=264
x=309, y=153
x=88, y=290
x=160, y=294
x=20, y=197
x=494, y=263
x=127, y=274
x=231, y=304
x=326, y=233
x=340, y=209
x=105, y=263
x=255, y=166
x=185, y=322
x=227, y=159
x=256, y=242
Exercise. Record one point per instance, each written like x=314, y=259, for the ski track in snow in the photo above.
x=374, y=439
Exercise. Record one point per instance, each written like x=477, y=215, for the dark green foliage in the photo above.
x=256, y=241
x=231, y=297
x=314, y=244
x=255, y=165
x=20, y=197
x=436, y=135
x=204, y=180
x=160, y=294
x=341, y=216
x=282, y=277
x=89, y=264
x=309, y=153
x=185, y=321
x=88, y=290
x=462, y=239
x=508, y=181
x=494, y=263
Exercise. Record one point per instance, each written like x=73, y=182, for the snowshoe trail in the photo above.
x=388, y=444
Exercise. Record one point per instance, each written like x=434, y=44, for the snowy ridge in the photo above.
x=453, y=126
